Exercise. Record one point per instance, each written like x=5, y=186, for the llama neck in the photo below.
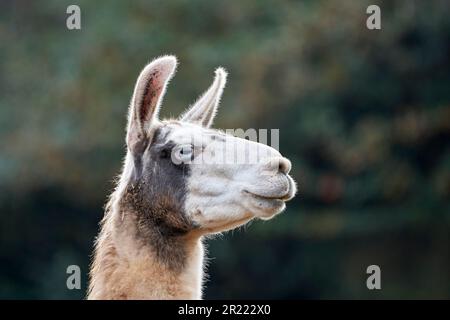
x=126, y=266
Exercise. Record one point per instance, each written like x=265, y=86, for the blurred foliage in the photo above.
x=364, y=117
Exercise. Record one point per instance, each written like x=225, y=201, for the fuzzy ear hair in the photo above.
x=205, y=109
x=148, y=93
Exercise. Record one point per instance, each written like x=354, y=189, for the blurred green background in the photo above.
x=363, y=115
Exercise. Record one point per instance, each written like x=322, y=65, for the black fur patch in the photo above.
x=156, y=199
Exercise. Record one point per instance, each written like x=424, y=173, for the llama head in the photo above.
x=187, y=177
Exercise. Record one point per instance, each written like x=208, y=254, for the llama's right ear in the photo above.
x=148, y=93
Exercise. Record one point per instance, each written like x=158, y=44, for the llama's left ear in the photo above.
x=205, y=109
x=148, y=93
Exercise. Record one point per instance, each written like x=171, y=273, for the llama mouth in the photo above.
x=265, y=207
x=285, y=197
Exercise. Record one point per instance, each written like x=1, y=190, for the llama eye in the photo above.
x=186, y=150
x=182, y=154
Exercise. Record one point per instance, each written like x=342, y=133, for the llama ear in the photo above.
x=148, y=93
x=205, y=109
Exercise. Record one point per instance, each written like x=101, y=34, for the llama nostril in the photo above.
x=284, y=165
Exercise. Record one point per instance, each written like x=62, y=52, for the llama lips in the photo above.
x=284, y=197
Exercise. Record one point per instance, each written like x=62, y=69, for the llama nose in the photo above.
x=284, y=165
x=279, y=165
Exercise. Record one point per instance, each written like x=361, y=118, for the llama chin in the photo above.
x=150, y=242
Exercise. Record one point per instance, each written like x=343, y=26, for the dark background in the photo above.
x=363, y=115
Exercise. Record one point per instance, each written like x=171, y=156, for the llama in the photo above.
x=150, y=243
